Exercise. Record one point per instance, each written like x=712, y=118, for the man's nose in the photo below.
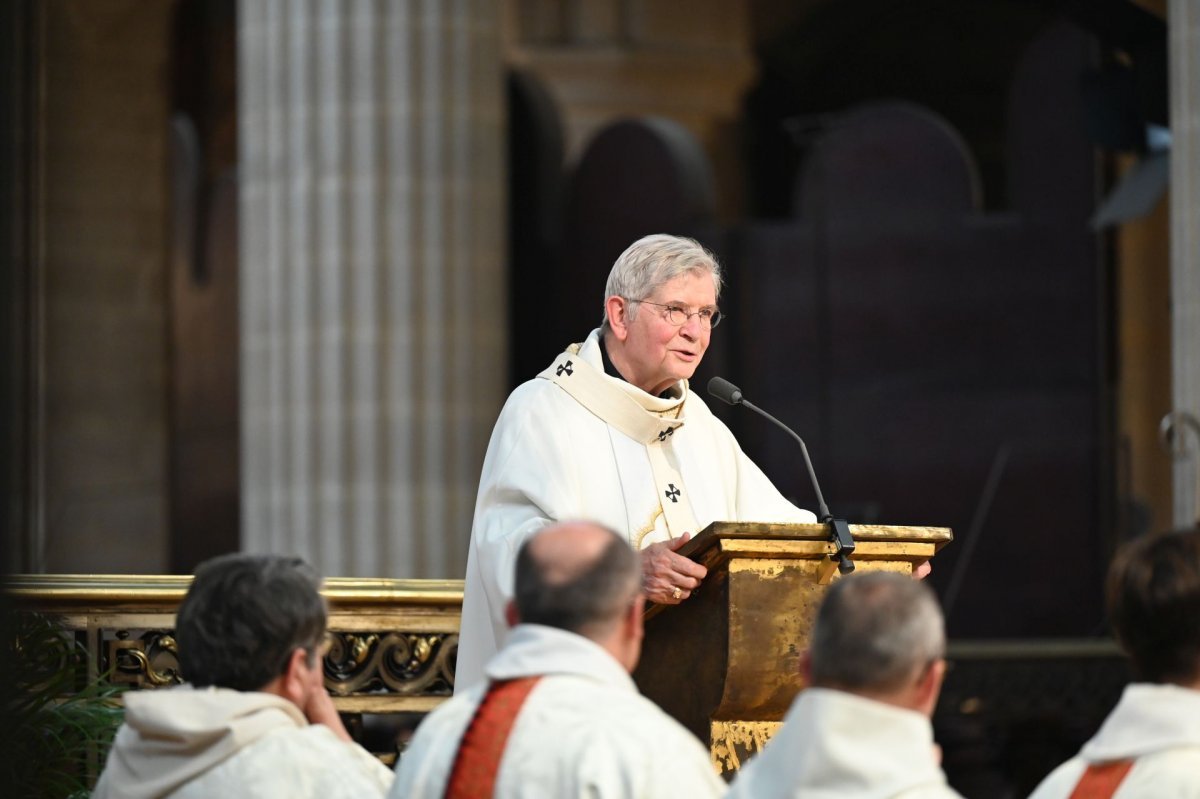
x=693, y=327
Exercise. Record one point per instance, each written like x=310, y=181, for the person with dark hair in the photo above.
x=611, y=431
x=1149, y=746
x=558, y=714
x=255, y=718
x=862, y=728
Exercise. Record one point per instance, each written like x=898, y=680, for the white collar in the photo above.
x=535, y=650
x=1149, y=718
x=833, y=741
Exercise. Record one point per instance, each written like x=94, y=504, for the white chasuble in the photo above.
x=576, y=443
x=642, y=431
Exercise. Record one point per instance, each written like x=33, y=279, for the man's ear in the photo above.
x=296, y=677
x=637, y=625
x=629, y=634
x=929, y=685
x=616, y=310
x=510, y=614
x=806, y=667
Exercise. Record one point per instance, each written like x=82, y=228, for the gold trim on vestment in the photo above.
x=648, y=529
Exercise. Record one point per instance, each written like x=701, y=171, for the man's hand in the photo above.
x=922, y=571
x=320, y=710
x=669, y=578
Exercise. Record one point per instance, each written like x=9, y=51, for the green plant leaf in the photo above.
x=55, y=718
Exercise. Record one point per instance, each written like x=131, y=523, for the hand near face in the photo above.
x=664, y=571
x=319, y=708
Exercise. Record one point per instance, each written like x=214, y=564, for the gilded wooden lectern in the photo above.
x=726, y=662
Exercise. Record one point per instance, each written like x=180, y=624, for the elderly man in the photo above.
x=256, y=719
x=862, y=729
x=610, y=431
x=559, y=714
x=1149, y=746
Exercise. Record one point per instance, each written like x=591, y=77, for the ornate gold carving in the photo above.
x=400, y=661
x=149, y=660
x=735, y=741
x=646, y=529
x=396, y=663
x=360, y=647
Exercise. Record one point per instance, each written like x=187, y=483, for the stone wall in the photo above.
x=99, y=320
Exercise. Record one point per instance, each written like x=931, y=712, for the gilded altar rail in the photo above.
x=393, y=642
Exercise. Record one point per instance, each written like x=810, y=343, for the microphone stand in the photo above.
x=839, y=529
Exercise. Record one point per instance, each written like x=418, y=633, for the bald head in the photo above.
x=576, y=576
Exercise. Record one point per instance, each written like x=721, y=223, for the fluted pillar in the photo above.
x=372, y=268
x=1184, y=31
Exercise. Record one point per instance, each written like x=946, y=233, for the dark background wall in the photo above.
x=925, y=301
x=914, y=284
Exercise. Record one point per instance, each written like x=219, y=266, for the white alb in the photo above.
x=836, y=745
x=1156, y=726
x=584, y=730
x=188, y=743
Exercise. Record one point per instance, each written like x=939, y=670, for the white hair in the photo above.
x=653, y=261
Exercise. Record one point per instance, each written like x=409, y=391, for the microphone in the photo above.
x=839, y=530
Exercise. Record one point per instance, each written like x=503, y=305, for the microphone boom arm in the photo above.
x=839, y=529
x=823, y=514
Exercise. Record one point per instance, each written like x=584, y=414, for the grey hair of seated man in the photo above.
x=576, y=576
x=244, y=616
x=653, y=261
x=874, y=633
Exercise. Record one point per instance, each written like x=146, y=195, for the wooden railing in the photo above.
x=393, y=641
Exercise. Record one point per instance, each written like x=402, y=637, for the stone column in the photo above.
x=372, y=256
x=1184, y=32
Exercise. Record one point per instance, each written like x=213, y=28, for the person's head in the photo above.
x=656, y=278
x=880, y=635
x=585, y=579
x=252, y=623
x=1154, y=604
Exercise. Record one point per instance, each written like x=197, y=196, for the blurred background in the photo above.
x=276, y=265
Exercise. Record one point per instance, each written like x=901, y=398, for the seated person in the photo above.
x=611, y=431
x=558, y=714
x=255, y=719
x=862, y=728
x=1149, y=746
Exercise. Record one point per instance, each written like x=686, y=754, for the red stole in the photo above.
x=1101, y=780
x=483, y=744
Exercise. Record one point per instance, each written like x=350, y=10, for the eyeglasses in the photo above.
x=709, y=317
